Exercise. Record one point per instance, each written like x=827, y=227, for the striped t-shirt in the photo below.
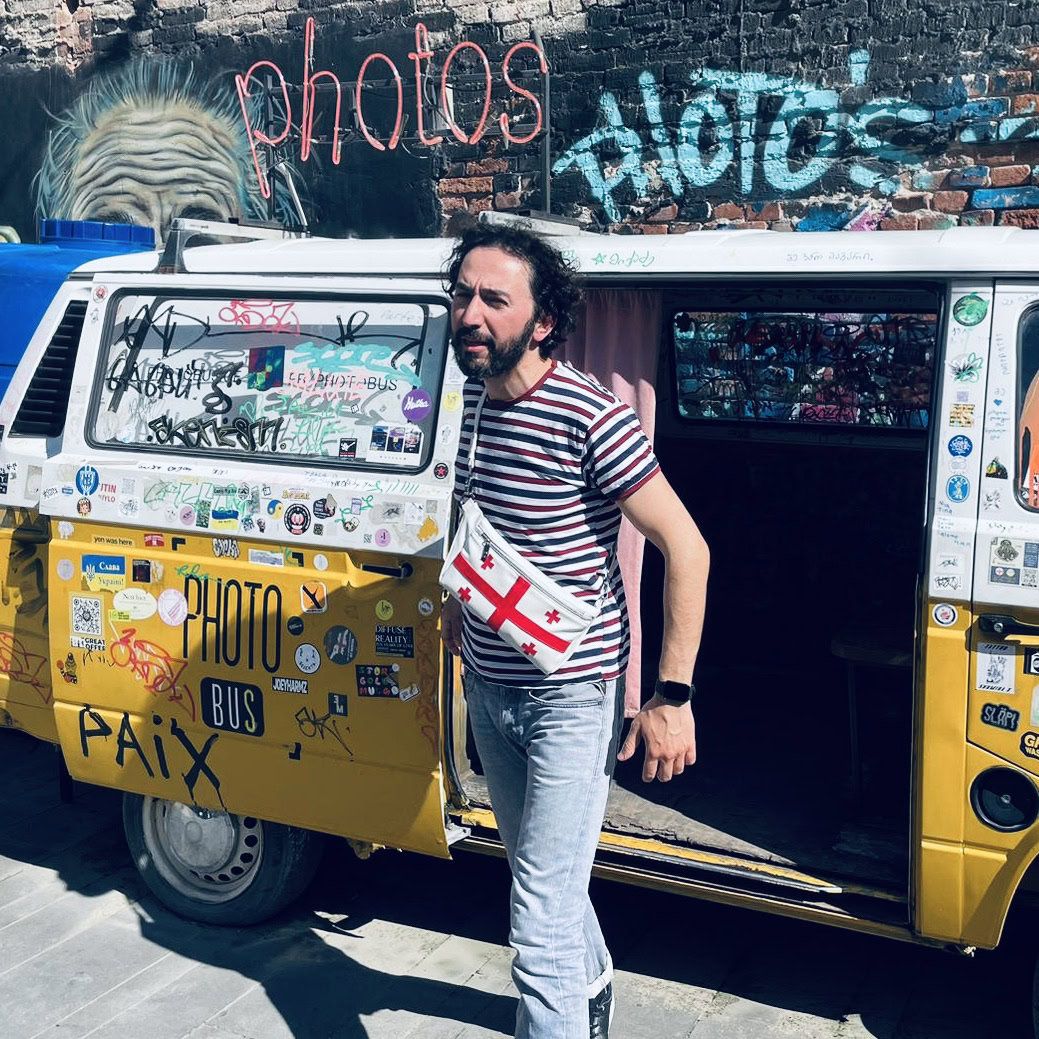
x=550, y=467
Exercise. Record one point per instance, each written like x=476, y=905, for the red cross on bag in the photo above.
x=524, y=607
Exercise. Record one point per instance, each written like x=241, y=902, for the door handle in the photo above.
x=401, y=572
x=1003, y=624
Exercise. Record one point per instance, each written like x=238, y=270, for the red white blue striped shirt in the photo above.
x=550, y=467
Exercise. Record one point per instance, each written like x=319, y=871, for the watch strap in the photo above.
x=675, y=693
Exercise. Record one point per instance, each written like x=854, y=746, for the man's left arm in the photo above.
x=668, y=731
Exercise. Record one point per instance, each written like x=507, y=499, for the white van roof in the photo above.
x=959, y=250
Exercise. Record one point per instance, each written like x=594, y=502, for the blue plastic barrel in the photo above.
x=30, y=275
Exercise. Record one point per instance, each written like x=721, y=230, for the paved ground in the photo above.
x=410, y=947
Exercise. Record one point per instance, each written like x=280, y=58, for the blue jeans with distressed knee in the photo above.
x=548, y=756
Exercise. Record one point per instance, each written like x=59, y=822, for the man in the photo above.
x=558, y=461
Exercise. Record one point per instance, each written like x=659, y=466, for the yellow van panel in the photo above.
x=25, y=674
x=289, y=684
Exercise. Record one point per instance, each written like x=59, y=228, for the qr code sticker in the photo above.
x=86, y=615
x=1028, y=578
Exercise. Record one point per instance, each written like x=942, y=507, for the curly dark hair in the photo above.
x=553, y=280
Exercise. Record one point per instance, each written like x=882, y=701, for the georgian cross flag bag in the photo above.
x=527, y=609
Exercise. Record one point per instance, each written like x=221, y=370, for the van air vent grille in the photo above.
x=42, y=412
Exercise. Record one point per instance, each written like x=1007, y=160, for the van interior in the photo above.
x=793, y=421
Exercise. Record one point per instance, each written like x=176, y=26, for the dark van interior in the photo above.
x=793, y=421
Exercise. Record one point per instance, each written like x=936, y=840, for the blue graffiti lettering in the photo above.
x=723, y=124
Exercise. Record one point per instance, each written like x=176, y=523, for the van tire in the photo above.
x=217, y=867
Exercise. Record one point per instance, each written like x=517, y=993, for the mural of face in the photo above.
x=147, y=144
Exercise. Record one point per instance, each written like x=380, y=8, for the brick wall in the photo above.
x=667, y=116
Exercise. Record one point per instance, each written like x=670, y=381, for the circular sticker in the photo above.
x=425, y=607
x=960, y=446
x=66, y=569
x=187, y=515
x=100, y=292
x=452, y=401
x=83, y=506
x=87, y=480
x=440, y=470
x=297, y=519
x=384, y=610
x=340, y=645
x=957, y=488
x=295, y=625
x=308, y=659
x=138, y=603
x=970, y=310
x=944, y=614
x=173, y=607
x=382, y=537
x=274, y=508
x=320, y=561
x=417, y=404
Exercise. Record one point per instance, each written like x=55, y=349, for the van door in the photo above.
x=249, y=518
x=946, y=623
x=1004, y=708
x=977, y=806
x=32, y=419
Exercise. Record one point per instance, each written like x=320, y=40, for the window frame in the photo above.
x=162, y=294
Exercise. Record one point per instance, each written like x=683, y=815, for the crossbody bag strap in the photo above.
x=470, y=478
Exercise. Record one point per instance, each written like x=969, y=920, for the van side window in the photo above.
x=801, y=354
x=1027, y=475
x=43, y=408
x=343, y=382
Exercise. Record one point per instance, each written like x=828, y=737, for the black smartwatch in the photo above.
x=675, y=694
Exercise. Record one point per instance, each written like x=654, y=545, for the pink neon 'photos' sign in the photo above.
x=419, y=56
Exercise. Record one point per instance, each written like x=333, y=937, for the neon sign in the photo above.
x=420, y=56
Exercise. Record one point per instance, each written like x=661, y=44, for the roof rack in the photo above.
x=539, y=222
x=182, y=231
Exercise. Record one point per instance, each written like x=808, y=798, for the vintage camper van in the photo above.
x=227, y=480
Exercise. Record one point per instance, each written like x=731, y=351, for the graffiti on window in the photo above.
x=349, y=382
x=862, y=369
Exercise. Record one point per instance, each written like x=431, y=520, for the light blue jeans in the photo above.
x=548, y=755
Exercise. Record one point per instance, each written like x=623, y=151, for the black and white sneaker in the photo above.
x=600, y=1013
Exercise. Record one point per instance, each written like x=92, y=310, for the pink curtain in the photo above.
x=617, y=340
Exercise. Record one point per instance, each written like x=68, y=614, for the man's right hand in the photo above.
x=451, y=625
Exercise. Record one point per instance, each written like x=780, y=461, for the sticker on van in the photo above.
x=1000, y=716
x=995, y=667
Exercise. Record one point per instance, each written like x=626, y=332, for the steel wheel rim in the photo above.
x=210, y=857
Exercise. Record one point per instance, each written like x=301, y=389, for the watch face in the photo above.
x=677, y=691
x=308, y=659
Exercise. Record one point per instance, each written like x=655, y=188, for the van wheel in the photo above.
x=217, y=867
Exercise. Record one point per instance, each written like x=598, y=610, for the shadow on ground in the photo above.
x=701, y=969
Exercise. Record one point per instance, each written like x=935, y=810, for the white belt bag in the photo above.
x=527, y=609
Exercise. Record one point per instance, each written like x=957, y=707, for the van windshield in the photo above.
x=350, y=383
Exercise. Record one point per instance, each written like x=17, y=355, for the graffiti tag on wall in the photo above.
x=722, y=126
